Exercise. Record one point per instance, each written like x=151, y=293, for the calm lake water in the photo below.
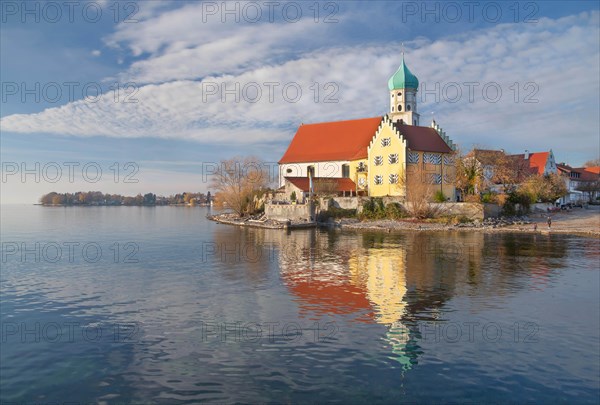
x=159, y=305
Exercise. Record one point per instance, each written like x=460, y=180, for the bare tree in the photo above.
x=419, y=189
x=238, y=182
x=324, y=187
x=469, y=177
x=592, y=163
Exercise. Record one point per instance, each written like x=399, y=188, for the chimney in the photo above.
x=526, y=154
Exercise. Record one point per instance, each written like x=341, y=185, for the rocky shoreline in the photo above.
x=259, y=221
x=494, y=225
x=490, y=225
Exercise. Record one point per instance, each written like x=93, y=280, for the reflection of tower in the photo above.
x=382, y=271
x=398, y=336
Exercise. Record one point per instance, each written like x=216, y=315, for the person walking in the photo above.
x=549, y=223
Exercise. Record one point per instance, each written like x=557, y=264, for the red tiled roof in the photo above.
x=423, y=139
x=593, y=169
x=585, y=173
x=537, y=161
x=327, y=141
x=341, y=183
x=348, y=140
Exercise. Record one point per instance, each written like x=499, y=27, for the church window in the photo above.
x=407, y=107
x=399, y=93
x=399, y=107
x=392, y=108
x=432, y=158
x=413, y=157
x=386, y=141
x=393, y=178
x=436, y=178
x=378, y=179
x=378, y=160
x=393, y=158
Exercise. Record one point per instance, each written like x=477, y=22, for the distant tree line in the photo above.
x=99, y=198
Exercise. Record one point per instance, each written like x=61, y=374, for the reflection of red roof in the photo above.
x=329, y=297
x=537, y=161
x=341, y=184
x=424, y=139
x=327, y=141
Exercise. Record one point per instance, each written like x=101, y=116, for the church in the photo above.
x=379, y=156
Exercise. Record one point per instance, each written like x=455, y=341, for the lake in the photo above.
x=161, y=306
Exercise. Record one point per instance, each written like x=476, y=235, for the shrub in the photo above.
x=472, y=198
x=293, y=196
x=394, y=211
x=373, y=208
x=334, y=212
x=489, y=197
x=439, y=197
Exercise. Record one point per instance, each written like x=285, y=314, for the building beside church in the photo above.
x=375, y=155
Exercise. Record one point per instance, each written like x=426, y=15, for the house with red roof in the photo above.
x=521, y=166
x=540, y=163
x=374, y=155
x=580, y=182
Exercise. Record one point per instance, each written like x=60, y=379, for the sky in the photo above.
x=135, y=97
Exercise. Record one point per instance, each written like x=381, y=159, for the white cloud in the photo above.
x=559, y=56
x=96, y=52
x=188, y=43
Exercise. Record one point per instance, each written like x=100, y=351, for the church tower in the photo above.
x=403, y=87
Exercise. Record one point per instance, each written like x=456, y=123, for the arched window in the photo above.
x=407, y=107
x=345, y=171
x=399, y=107
x=392, y=108
x=399, y=93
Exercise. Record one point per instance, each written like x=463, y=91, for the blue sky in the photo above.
x=170, y=60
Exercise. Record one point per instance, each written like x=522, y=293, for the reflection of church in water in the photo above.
x=365, y=278
x=394, y=280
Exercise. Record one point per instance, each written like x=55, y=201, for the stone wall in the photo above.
x=470, y=210
x=347, y=203
x=294, y=212
x=491, y=210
